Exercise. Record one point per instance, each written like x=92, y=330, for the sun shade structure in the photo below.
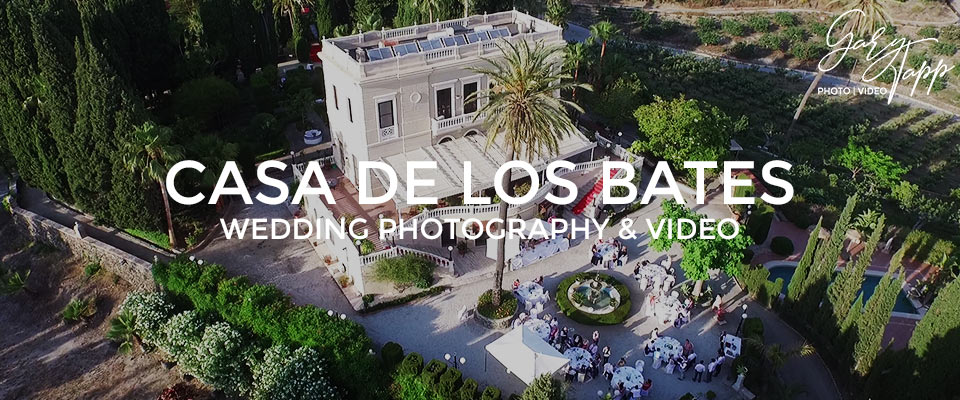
x=526, y=355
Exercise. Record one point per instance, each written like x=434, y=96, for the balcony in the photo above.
x=455, y=123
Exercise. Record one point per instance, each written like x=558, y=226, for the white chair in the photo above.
x=639, y=365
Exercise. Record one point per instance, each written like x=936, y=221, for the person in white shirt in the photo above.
x=608, y=371
x=655, y=334
x=720, y=361
x=710, y=369
x=698, y=371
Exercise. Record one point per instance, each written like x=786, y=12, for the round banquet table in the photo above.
x=538, y=326
x=579, y=357
x=532, y=293
x=667, y=309
x=668, y=347
x=630, y=377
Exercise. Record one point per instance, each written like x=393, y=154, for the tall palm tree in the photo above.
x=874, y=15
x=574, y=55
x=151, y=152
x=524, y=111
x=603, y=32
x=290, y=6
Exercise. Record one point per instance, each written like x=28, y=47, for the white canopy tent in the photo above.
x=526, y=355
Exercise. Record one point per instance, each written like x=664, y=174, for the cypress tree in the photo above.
x=825, y=263
x=936, y=345
x=849, y=281
x=852, y=315
x=873, y=322
x=323, y=10
x=796, y=287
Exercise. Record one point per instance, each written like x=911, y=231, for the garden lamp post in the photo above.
x=742, y=318
x=453, y=360
x=293, y=157
x=450, y=252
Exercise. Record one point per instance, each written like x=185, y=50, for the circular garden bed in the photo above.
x=496, y=317
x=594, y=299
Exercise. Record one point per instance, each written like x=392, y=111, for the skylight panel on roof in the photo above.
x=404, y=49
x=476, y=37
x=427, y=45
x=378, y=54
x=454, y=41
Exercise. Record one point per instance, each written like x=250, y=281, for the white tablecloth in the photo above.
x=578, y=357
x=630, y=377
x=532, y=293
x=667, y=309
x=542, y=250
x=731, y=346
x=539, y=326
x=668, y=347
x=651, y=274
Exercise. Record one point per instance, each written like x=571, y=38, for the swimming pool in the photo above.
x=870, y=282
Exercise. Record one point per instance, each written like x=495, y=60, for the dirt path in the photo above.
x=41, y=357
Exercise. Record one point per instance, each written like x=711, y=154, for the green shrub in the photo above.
x=392, y=354
x=944, y=49
x=707, y=24
x=288, y=373
x=818, y=29
x=366, y=247
x=431, y=373
x=205, y=99
x=180, y=336
x=78, y=309
x=91, y=269
x=410, y=387
x=222, y=356
x=544, y=387
x=449, y=383
x=468, y=391
x=687, y=396
x=928, y=32
x=795, y=35
x=151, y=310
x=412, y=364
x=642, y=18
x=753, y=328
x=782, y=246
x=733, y=27
x=618, y=315
x=743, y=50
x=490, y=393
x=710, y=37
x=926, y=248
x=950, y=33
x=262, y=312
x=159, y=239
x=758, y=225
x=759, y=23
x=508, y=305
x=405, y=271
x=784, y=19
x=770, y=41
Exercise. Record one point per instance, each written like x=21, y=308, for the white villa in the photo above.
x=404, y=95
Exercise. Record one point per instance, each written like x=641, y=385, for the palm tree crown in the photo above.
x=151, y=151
x=524, y=105
x=874, y=14
x=603, y=32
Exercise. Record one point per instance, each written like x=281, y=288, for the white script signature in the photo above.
x=893, y=55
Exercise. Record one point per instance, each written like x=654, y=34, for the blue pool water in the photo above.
x=869, y=286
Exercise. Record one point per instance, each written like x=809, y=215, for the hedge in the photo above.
x=755, y=281
x=412, y=364
x=433, y=291
x=468, y=391
x=392, y=354
x=431, y=373
x=782, y=246
x=566, y=306
x=490, y=393
x=266, y=311
x=758, y=224
x=449, y=383
x=508, y=305
x=926, y=248
x=753, y=328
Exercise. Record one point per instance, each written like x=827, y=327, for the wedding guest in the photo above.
x=698, y=371
x=596, y=336
x=671, y=365
x=571, y=374
x=605, y=354
x=563, y=337
x=636, y=393
x=687, y=347
x=720, y=361
x=717, y=304
x=655, y=334
x=648, y=349
x=682, y=367
x=539, y=280
x=608, y=371
x=711, y=368
x=622, y=362
x=593, y=349
x=645, y=389
x=516, y=285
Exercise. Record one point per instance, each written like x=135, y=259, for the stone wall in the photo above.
x=130, y=268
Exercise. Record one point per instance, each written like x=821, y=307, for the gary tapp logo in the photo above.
x=880, y=59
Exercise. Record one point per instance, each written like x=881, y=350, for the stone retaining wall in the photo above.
x=131, y=269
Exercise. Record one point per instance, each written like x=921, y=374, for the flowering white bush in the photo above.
x=150, y=310
x=180, y=336
x=223, y=359
x=288, y=374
